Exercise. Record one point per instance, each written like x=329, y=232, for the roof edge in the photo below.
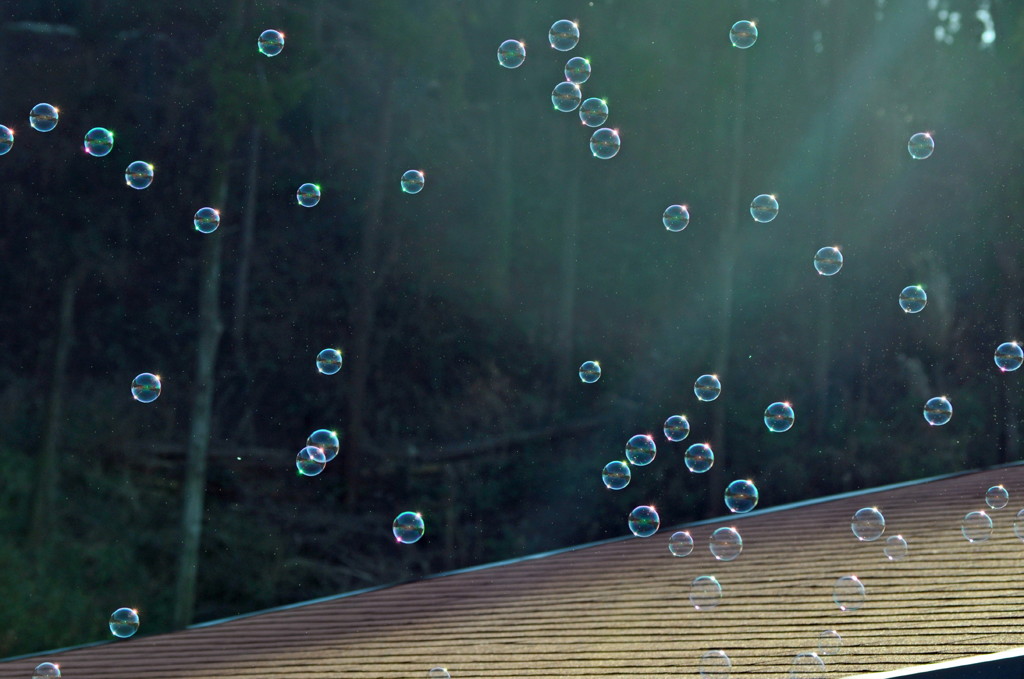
x=945, y=665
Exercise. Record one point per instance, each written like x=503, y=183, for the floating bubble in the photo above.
x=206, y=220
x=413, y=181
x=913, y=299
x=564, y=35
x=807, y=666
x=408, y=527
x=99, y=141
x=566, y=96
x=715, y=665
x=593, y=112
x=46, y=670
x=124, y=622
x=577, y=70
x=849, y=593
x=997, y=497
x=1018, y=525
x=310, y=461
x=439, y=673
x=327, y=441
x=644, y=521
x=895, y=548
x=1009, y=356
x=43, y=117
x=764, y=208
x=707, y=387
x=146, y=387
x=699, y=458
x=271, y=42
x=139, y=175
x=308, y=195
x=977, y=527
x=779, y=417
x=921, y=145
x=676, y=218
x=6, y=142
x=328, y=361
x=743, y=34
x=590, y=372
x=938, y=411
x=741, y=496
x=681, y=543
x=828, y=261
x=868, y=524
x=677, y=428
x=640, y=450
x=511, y=54
x=616, y=475
x=829, y=642
x=605, y=143
x=705, y=592
x=725, y=543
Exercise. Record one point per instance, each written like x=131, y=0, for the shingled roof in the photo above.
x=621, y=608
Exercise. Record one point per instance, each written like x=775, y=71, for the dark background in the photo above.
x=464, y=311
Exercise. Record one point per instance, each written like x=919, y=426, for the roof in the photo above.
x=621, y=608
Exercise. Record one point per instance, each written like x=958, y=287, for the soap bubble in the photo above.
x=779, y=417
x=715, y=665
x=511, y=54
x=849, y=593
x=98, y=142
x=327, y=441
x=308, y=195
x=590, y=372
x=829, y=642
x=566, y=96
x=564, y=35
x=577, y=70
x=124, y=622
x=705, y=592
x=895, y=548
x=938, y=411
x=681, y=543
x=725, y=543
x=605, y=143
x=828, y=261
x=6, y=142
x=271, y=42
x=616, y=475
x=593, y=112
x=997, y=497
x=43, y=117
x=640, y=450
x=707, y=387
x=644, y=521
x=977, y=527
x=1009, y=356
x=868, y=524
x=764, y=208
x=1018, y=525
x=139, y=175
x=146, y=387
x=913, y=299
x=677, y=428
x=408, y=527
x=743, y=34
x=413, y=181
x=46, y=670
x=741, y=496
x=206, y=220
x=921, y=145
x=676, y=217
x=699, y=458
x=439, y=673
x=310, y=461
x=807, y=666
x=328, y=361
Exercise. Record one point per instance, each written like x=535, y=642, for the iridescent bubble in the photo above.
x=997, y=497
x=828, y=261
x=640, y=450
x=677, y=428
x=779, y=417
x=743, y=34
x=681, y=543
x=741, y=496
x=139, y=175
x=977, y=527
x=895, y=548
x=99, y=141
x=921, y=145
x=829, y=642
x=849, y=593
x=807, y=666
x=644, y=521
x=605, y=143
x=566, y=96
x=593, y=112
x=408, y=527
x=715, y=665
x=43, y=117
x=707, y=387
x=913, y=299
x=577, y=70
x=328, y=361
x=1009, y=356
x=616, y=475
x=308, y=195
x=590, y=372
x=676, y=217
x=705, y=592
x=6, y=142
x=146, y=387
x=310, y=461
x=699, y=458
x=46, y=670
x=206, y=220
x=764, y=208
x=327, y=441
x=124, y=622
x=270, y=42
x=868, y=524
x=725, y=543
x=413, y=181
x=1018, y=525
x=564, y=35
x=511, y=54
x=439, y=673
x=938, y=411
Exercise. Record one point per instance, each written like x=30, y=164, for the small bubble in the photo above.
x=564, y=35
x=577, y=70
x=848, y=593
x=308, y=195
x=124, y=622
x=779, y=417
x=725, y=543
x=438, y=673
x=829, y=642
x=644, y=521
x=868, y=524
x=1009, y=356
x=699, y=458
x=681, y=543
x=270, y=42
x=6, y=142
x=146, y=387
x=98, y=142
x=616, y=475
x=1018, y=525
x=139, y=175
x=328, y=361
x=206, y=220
x=807, y=666
x=705, y=592
x=408, y=527
x=913, y=299
x=310, y=461
x=46, y=670
x=715, y=665
x=764, y=208
x=743, y=34
x=895, y=548
x=511, y=54
x=938, y=411
x=707, y=387
x=741, y=496
x=43, y=117
x=997, y=497
x=676, y=217
x=413, y=181
x=605, y=143
x=593, y=112
x=677, y=428
x=640, y=450
x=590, y=372
x=921, y=146
x=327, y=441
x=828, y=261
x=976, y=527
x=566, y=96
